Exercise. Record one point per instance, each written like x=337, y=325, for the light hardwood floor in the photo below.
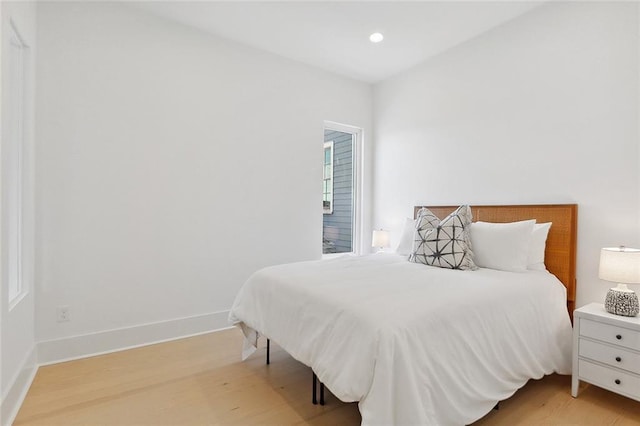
x=201, y=380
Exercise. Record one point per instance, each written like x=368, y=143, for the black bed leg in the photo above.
x=314, y=398
x=321, y=393
x=268, y=350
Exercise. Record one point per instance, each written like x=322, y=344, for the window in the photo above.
x=13, y=153
x=341, y=189
x=327, y=183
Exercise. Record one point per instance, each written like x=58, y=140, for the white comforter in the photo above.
x=413, y=344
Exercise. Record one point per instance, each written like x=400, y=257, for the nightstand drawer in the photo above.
x=609, y=378
x=614, y=356
x=611, y=334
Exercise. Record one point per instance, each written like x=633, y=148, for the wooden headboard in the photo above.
x=560, y=253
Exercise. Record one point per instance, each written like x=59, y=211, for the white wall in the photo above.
x=17, y=349
x=543, y=109
x=171, y=165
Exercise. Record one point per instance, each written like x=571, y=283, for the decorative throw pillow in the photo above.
x=502, y=246
x=445, y=243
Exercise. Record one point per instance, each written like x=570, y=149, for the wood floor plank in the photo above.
x=201, y=381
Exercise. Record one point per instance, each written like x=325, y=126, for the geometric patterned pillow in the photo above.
x=445, y=243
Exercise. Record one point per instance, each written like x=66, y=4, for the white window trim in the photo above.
x=358, y=175
x=15, y=39
x=328, y=144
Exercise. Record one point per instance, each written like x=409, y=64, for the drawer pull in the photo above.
x=619, y=336
x=617, y=381
x=618, y=359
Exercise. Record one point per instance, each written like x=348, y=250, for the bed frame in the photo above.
x=561, y=249
x=559, y=255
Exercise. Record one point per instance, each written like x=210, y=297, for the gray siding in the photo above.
x=338, y=226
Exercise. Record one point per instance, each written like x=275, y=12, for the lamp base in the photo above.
x=624, y=303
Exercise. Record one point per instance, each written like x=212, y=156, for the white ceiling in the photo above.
x=335, y=35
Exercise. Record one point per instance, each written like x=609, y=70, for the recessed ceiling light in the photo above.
x=376, y=37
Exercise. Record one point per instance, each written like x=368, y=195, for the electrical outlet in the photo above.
x=63, y=314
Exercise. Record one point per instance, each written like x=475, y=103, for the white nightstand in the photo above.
x=606, y=351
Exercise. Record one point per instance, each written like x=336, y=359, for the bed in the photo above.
x=416, y=344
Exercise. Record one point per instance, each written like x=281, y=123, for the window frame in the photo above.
x=14, y=225
x=329, y=180
x=357, y=134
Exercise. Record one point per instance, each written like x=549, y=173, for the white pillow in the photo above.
x=502, y=246
x=538, y=244
x=405, y=246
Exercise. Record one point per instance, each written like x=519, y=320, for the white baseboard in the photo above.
x=75, y=347
x=18, y=388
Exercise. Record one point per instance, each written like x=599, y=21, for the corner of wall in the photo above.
x=14, y=395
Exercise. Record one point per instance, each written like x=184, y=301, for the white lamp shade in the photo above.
x=620, y=265
x=381, y=239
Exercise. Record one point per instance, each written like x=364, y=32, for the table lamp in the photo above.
x=620, y=265
x=380, y=239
